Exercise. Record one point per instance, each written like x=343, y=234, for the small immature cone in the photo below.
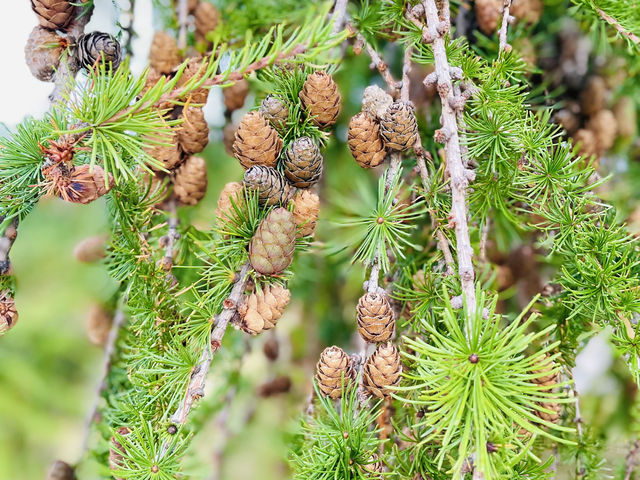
x=61, y=471
x=365, y=142
x=194, y=68
x=305, y=212
x=164, y=54
x=256, y=142
x=489, y=15
x=375, y=101
x=302, y=163
x=272, y=187
x=54, y=14
x=42, y=53
x=193, y=133
x=382, y=370
x=190, y=181
x=528, y=11
x=605, y=128
x=593, y=97
x=262, y=309
x=321, y=98
x=206, y=18
x=398, y=126
x=91, y=249
x=275, y=111
x=273, y=244
x=231, y=191
x=116, y=452
x=235, y=95
x=8, y=312
x=334, y=372
x=167, y=152
x=99, y=322
x=375, y=317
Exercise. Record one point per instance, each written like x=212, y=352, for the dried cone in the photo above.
x=334, y=372
x=167, y=151
x=302, y=163
x=262, y=309
x=95, y=47
x=305, y=212
x=190, y=181
x=8, y=312
x=82, y=184
x=375, y=101
x=375, y=318
x=398, y=126
x=206, y=18
x=194, y=68
x=42, y=53
x=61, y=471
x=365, y=142
x=235, y=95
x=53, y=14
x=232, y=192
x=272, y=187
x=116, y=452
x=529, y=11
x=382, y=370
x=271, y=348
x=374, y=468
x=91, y=249
x=193, y=134
x=275, y=111
x=488, y=15
x=164, y=54
x=272, y=246
x=320, y=96
x=256, y=142
x=99, y=322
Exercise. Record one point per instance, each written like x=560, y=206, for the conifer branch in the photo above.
x=615, y=24
x=632, y=459
x=172, y=235
x=339, y=15
x=183, y=11
x=504, y=25
x=195, y=386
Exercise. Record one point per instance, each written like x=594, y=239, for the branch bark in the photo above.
x=378, y=62
x=339, y=15
x=505, y=23
x=183, y=12
x=615, y=24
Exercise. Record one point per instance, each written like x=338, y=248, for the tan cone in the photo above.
x=305, y=212
x=256, y=142
x=365, y=142
x=375, y=318
x=262, y=309
x=193, y=133
x=334, y=371
x=235, y=95
x=382, y=370
x=231, y=191
x=321, y=98
x=190, y=181
x=164, y=55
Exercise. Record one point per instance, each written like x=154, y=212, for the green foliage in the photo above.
x=610, y=12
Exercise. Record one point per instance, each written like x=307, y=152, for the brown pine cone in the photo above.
x=276, y=112
x=302, y=163
x=373, y=468
x=167, y=152
x=53, y=14
x=398, y=126
x=193, y=133
x=552, y=416
x=91, y=249
x=375, y=318
x=605, y=128
x=99, y=322
x=191, y=5
x=150, y=81
x=549, y=375
x=588, y=143
x=164, y=54
x=262, y=309
x=256, y=142
x=272, y=187
x=489, y=15
x=626, y=117
x=61, y=471
x=271, y=348
x=273, y=244
x=275, y=387
x=190, y=181
x=235, y=95
x=365, y=142
x=375, y=101
x=156, y=187
x=321, y=98
x=78, y=184
x=8, y=312
x=206, y=18
x=231, y=191
x=196, y=67
x=593, y=97
x=42, y=53
x=305, y=212
x=116, y=452
x=382, y=370
x=95, y=47
x=529, y=11
x=334, y=372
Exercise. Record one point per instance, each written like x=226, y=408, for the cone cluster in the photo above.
x=334, y=372
x=375, y=317
x=262, y=309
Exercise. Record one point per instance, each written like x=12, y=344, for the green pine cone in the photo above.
x=272, y=246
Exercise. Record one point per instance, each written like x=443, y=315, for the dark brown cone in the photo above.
x=61, y=471
x=8, y=312
x=334, y=372
x=190, y=181
x=42, y=53
x=95, y=47
x=235, y=95
x=167, y=152
x=273, y=244
x=321, y=98
x=271, y=348
x=81, y=184
x=256, y=142
x=99, y=322
x=488, y=14
x=91, y=249
x=382, y=370
x=164, y=54
x=375, y=318
x=262, y=309
x=194, y=68
x=398, y=127
x=305, y=212
x=206, y=18
x=365, y=142
x=231, y=191
x=193, y=133
x=302, y=163
x=275, y=387
x=272, y=187
x=53, y=14
x=116, y=458
x=275, y=111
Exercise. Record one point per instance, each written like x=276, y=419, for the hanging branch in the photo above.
x=505, y=23
x=195, y=386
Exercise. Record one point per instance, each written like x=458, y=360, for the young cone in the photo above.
x=206, y=18
x=305, y=212
x=256, y=142
x=382, y=370
x=272, y=246
x=42, y=53
x=398, y=127
x=164, y=54
x=54, y=14
x=190, y=181
x=167, y=152
x=549, y=377
x=231, y=191
x=193, y=133
x=116, y=452
x=235, y=95
x=321, y=98
x=91, y=249
x=61, y=471
x=95, y=47
x=302, y=163
x=262, y=309
x=8, y=312
x=365, y=142
x=275, y=111
x=194, y=68
x=375, y=318
x=272, y=187
x=489, y=14
x=99, y=321
x=529, y=11
x=334, y=372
